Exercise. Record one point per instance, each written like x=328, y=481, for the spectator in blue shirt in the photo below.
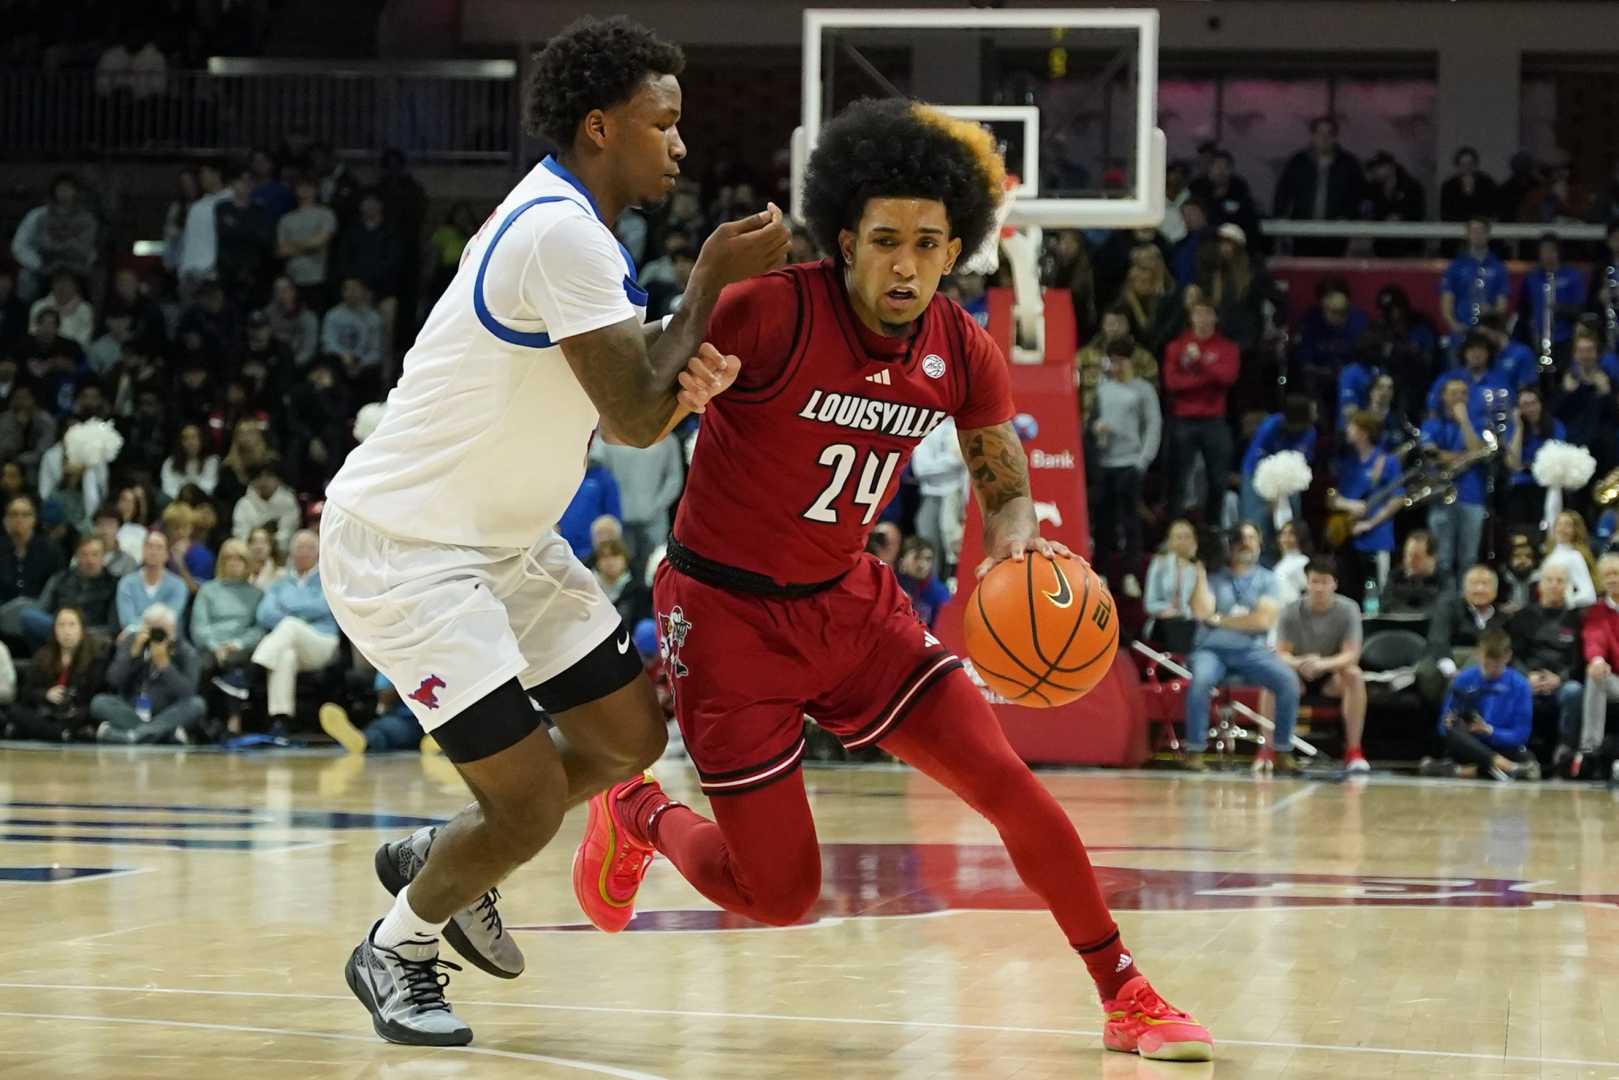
x=1406, y=341
x=1393, y=428
x=1587, y=404
x=1183, y=257
x=1238, y=605
x=1489, y=395
x=1534, y=426
x=1488, y=714
x=597, y=496
x=300, y=633
x=1457, y=527
x=1328, y=334
x=392, y=726
x=1475, y=284
x=1515, y=363
x=1356, y=380
x=1366, y=471
x=1291, y=429
x=1552, y=297
x=915, y=570
x=152, y=584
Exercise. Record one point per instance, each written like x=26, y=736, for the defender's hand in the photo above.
x=742, y=249
x=708, y=375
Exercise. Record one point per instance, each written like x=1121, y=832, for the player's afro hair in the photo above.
x=593, y=64
x=892, y=148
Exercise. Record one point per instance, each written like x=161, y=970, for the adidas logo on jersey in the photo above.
x=881, y=378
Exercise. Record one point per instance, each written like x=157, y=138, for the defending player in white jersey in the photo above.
x=438, y=551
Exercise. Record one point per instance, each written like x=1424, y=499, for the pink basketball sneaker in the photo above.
x=1141, y=1022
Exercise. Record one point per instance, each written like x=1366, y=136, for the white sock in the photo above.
x=402, y=924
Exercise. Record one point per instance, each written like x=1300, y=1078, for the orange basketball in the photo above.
x=1042, y=632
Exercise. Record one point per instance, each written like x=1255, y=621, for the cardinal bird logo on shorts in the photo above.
x=427, y=693
x=675, y=627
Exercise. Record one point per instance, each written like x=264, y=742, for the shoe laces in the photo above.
x=1149, y=1003
x=424, y=980
x=631, y=864
x=489, y=914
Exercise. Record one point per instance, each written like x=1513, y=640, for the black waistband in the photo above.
x=735, y=579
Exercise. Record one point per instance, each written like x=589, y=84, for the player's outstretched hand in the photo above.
x=708, y=374
x=1017, y=548
x=741, y=249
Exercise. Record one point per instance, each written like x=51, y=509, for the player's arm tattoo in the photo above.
x=997, y=465
x=1000, y=476
x=628, y=369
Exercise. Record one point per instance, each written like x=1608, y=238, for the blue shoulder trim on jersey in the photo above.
x=556, y=168
x=634, y=292
x=537, y=339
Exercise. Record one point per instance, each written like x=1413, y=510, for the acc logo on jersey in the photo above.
x=933, y=366
x=675, y=628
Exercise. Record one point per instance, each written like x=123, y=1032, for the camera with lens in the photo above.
x=1466, y=709
x=157, y=635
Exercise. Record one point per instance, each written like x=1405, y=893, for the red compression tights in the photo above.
x=759, y=856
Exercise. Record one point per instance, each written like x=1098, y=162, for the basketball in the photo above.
x=1042, y=632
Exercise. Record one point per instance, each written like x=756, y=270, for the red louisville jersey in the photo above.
x=795, y=462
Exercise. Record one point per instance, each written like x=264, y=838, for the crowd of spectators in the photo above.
x=1422, y=440
x=291, y=283
x=166, y=578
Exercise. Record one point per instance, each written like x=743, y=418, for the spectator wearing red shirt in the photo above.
x=1600, y=637
x=1199, y=369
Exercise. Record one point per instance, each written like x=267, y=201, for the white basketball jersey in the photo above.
x=485, y=437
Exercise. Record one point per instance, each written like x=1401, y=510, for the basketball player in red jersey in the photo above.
x=770, y=610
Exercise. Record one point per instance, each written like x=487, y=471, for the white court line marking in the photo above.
x=566, y=1063
x=691, y=1014
x=81, y=879
x=116, y=933
x=1301, y=794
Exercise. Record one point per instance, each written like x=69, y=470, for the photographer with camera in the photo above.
x=1487, y=716
x=153, y=681
x=1237, y=605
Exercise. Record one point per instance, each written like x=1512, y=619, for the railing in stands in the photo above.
x=1425, y=230
x=443, y=110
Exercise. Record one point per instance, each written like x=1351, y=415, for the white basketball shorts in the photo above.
x=447, y=625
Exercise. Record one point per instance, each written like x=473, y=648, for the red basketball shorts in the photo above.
x=747, y=670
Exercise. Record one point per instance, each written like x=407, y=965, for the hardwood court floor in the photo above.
x=195, y=910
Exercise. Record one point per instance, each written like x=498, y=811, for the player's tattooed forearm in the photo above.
x=997, y=465
x=610, y=364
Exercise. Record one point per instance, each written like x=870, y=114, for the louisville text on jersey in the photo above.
x=869, y=414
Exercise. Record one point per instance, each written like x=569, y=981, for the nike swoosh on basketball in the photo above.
x=624, y=645
x=1065, y=593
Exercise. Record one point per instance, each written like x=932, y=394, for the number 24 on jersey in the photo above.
x=875, y=476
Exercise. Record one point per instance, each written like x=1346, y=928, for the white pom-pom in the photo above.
x=1563, y=465
x=92, y=443
x=1282, y=474
x=366, y=421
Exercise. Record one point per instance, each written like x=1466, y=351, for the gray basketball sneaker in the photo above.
x=403, y=989
x=475, y=932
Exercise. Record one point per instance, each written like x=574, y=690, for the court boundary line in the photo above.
x=111, y=873
x=245, y=1029
x=695, y=1014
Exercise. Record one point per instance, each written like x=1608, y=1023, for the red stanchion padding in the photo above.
x=1109, y=725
